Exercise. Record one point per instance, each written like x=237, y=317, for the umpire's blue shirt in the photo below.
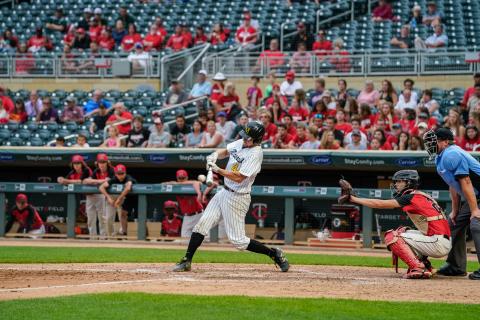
x=454, y=163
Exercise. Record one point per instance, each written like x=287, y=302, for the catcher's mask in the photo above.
x=411, y=178
x=431, y=138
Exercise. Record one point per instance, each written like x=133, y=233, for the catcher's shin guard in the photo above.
x=400, y=249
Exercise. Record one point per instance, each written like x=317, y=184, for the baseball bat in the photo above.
x=209, y=177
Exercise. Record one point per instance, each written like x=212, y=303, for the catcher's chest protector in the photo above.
x=423, y=210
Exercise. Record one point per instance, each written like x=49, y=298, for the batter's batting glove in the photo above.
x=214, y=167
x=212, y=157
x=346, y=192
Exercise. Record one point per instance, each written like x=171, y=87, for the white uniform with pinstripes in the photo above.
x=233, y=206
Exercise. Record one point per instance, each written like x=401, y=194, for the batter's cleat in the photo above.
x=418, y=273
x=183, y=266
x=281, y=260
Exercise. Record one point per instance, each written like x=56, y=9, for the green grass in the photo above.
x=104, y=255
x=156, y=306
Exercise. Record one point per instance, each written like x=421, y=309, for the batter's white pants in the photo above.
x=233, y=207
x=431, y=246
x=110, y=216
x=188, y=223
x=96, y=210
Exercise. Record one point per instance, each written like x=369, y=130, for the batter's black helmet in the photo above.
x=410, y=176
x=253, y=130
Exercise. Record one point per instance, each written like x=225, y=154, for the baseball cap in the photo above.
x=97, y=11
x=169, y=204
x=290, y=74
x=120, y=168
x=182, y=174
x=21, y=197
x=138, y=45
x=356, y=132
x=80, y=30
x=70, y=99
x=203, y=71
x=275, y=87
x=77, y=158
x=444, y=134
x=423, y=125
x=102, y=157
x=221, y=114
x=87, y=10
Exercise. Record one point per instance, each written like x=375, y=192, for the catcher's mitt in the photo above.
x=347, y=191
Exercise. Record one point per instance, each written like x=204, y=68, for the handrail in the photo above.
x=181, y=104
x=50, y=143
x=207, y=46
x=105, y=130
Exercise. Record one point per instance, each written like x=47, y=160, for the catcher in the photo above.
x=432, y=239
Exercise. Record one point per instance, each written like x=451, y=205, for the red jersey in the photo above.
x=94, y=33
x=69, y=38
x=107, y=43
x=154, y=42
x=100, y=175
x=200, y=39
x=325, y=114
x=299, y=141
x=217, y=92
x=128, y=42
x=470, y=144
x=254, y=95
x=245, y=35
x=8, y=104
x=273, y=58
x=418, y=205
x=388, y=125
x=285, y=140
x=466, y=96
x=270, y=131
x=214, y=40
x=39, y=42
x=321, y=46
x=269, y=102
x=189, y=205
x=292, y=131
x=176, y=43
x=187, y=38
x=300, y=114
x=228, y=101
x=123, y=128
x=171, y=228
x=344, y=127
x=162, y=32
x=73, y=175
x=28, y=217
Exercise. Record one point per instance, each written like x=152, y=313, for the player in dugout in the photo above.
x=171, y=224
x=26, y=215
x=432, y=239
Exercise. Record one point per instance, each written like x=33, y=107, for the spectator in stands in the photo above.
x=69, y=37
x=242, y=121
x=415, y=19
x=342, y=93
x=431, y=104
x=416, y=144
x=212, y=138
x=226, y=128
x=253, y=22
x=218, y=35
x=403, y=142
x=272, y=58
x=321, y=109
x=72, y=112
x=39, y=41
x=177, y=41
x=100, y=118
x=300, y=133
x=18, y=114
x=407, y=119
x=138, y=136
x=288, y=122
x=202, y=87
x=290, y=85
x=129, y=41
x=246, y=34
x=340, y=59
x=316, y=95
x=328, y=141
x=276, y=96
x=380, y=135
x=94, y=103
x=48, y=113
x=356, y=126
x=299, y=109
x=120, y=114
x=4, y=115
x=366, y=116
x=98, y=16
x=382, y=12
x=113, y=140
x=474, y=99
x=158, y=138
x=283, y=140
x=270, y=127
x=187, y=35
x=200, y=36
x=404, y=41
x=119, y=32
x=6, y=100
x=407, y=102
x=471, y=90
x=229, y=102
x=153, y=40
x=26, y=215
x=124, y=16
x=471, y=139
x=180, y=130
x=194, y=138
x=34, y=104
x=106, y=41
x=342, y=125
x=272, y=80
x=277, y=111
x=328, y=101
x=84, y=23
x=218, y=89
x=82, y=40
x=57, y=22
x=312, y=142
x=175, y=94
x=115, y=201
x=322, y=46
x=368, y=95
x=386, y=113
x=139, y=58
x=160, y=28
x=329, y=125
x=453, y=121
x=408, y=84
x=95, y=30
x=81, y=142
x=356, y=141
x=438, y=40
x=301, y=59
x=8, y=41
x=171, y=224
x=302, y=36
x=68, y=62
x=254, y=94
x=87, y=65
x=387, y=93
x=432, y=15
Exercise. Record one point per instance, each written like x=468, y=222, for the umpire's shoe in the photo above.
x=281, y=260
x=183, y=265
x=447, y=271
x=475, y=275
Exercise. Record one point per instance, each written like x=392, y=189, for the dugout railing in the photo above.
x=287, y=193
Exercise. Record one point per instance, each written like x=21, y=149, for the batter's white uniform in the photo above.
x=233, y=206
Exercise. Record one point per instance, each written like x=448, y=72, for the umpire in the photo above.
x=461, y=172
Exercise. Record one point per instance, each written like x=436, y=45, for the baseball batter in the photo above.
x=232, y=202
x=412, y=246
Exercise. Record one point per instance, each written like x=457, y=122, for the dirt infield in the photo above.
x=47, y=280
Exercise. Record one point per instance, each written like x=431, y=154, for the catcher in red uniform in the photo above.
x=432, y=239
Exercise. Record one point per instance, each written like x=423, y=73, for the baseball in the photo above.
x=201, y=178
